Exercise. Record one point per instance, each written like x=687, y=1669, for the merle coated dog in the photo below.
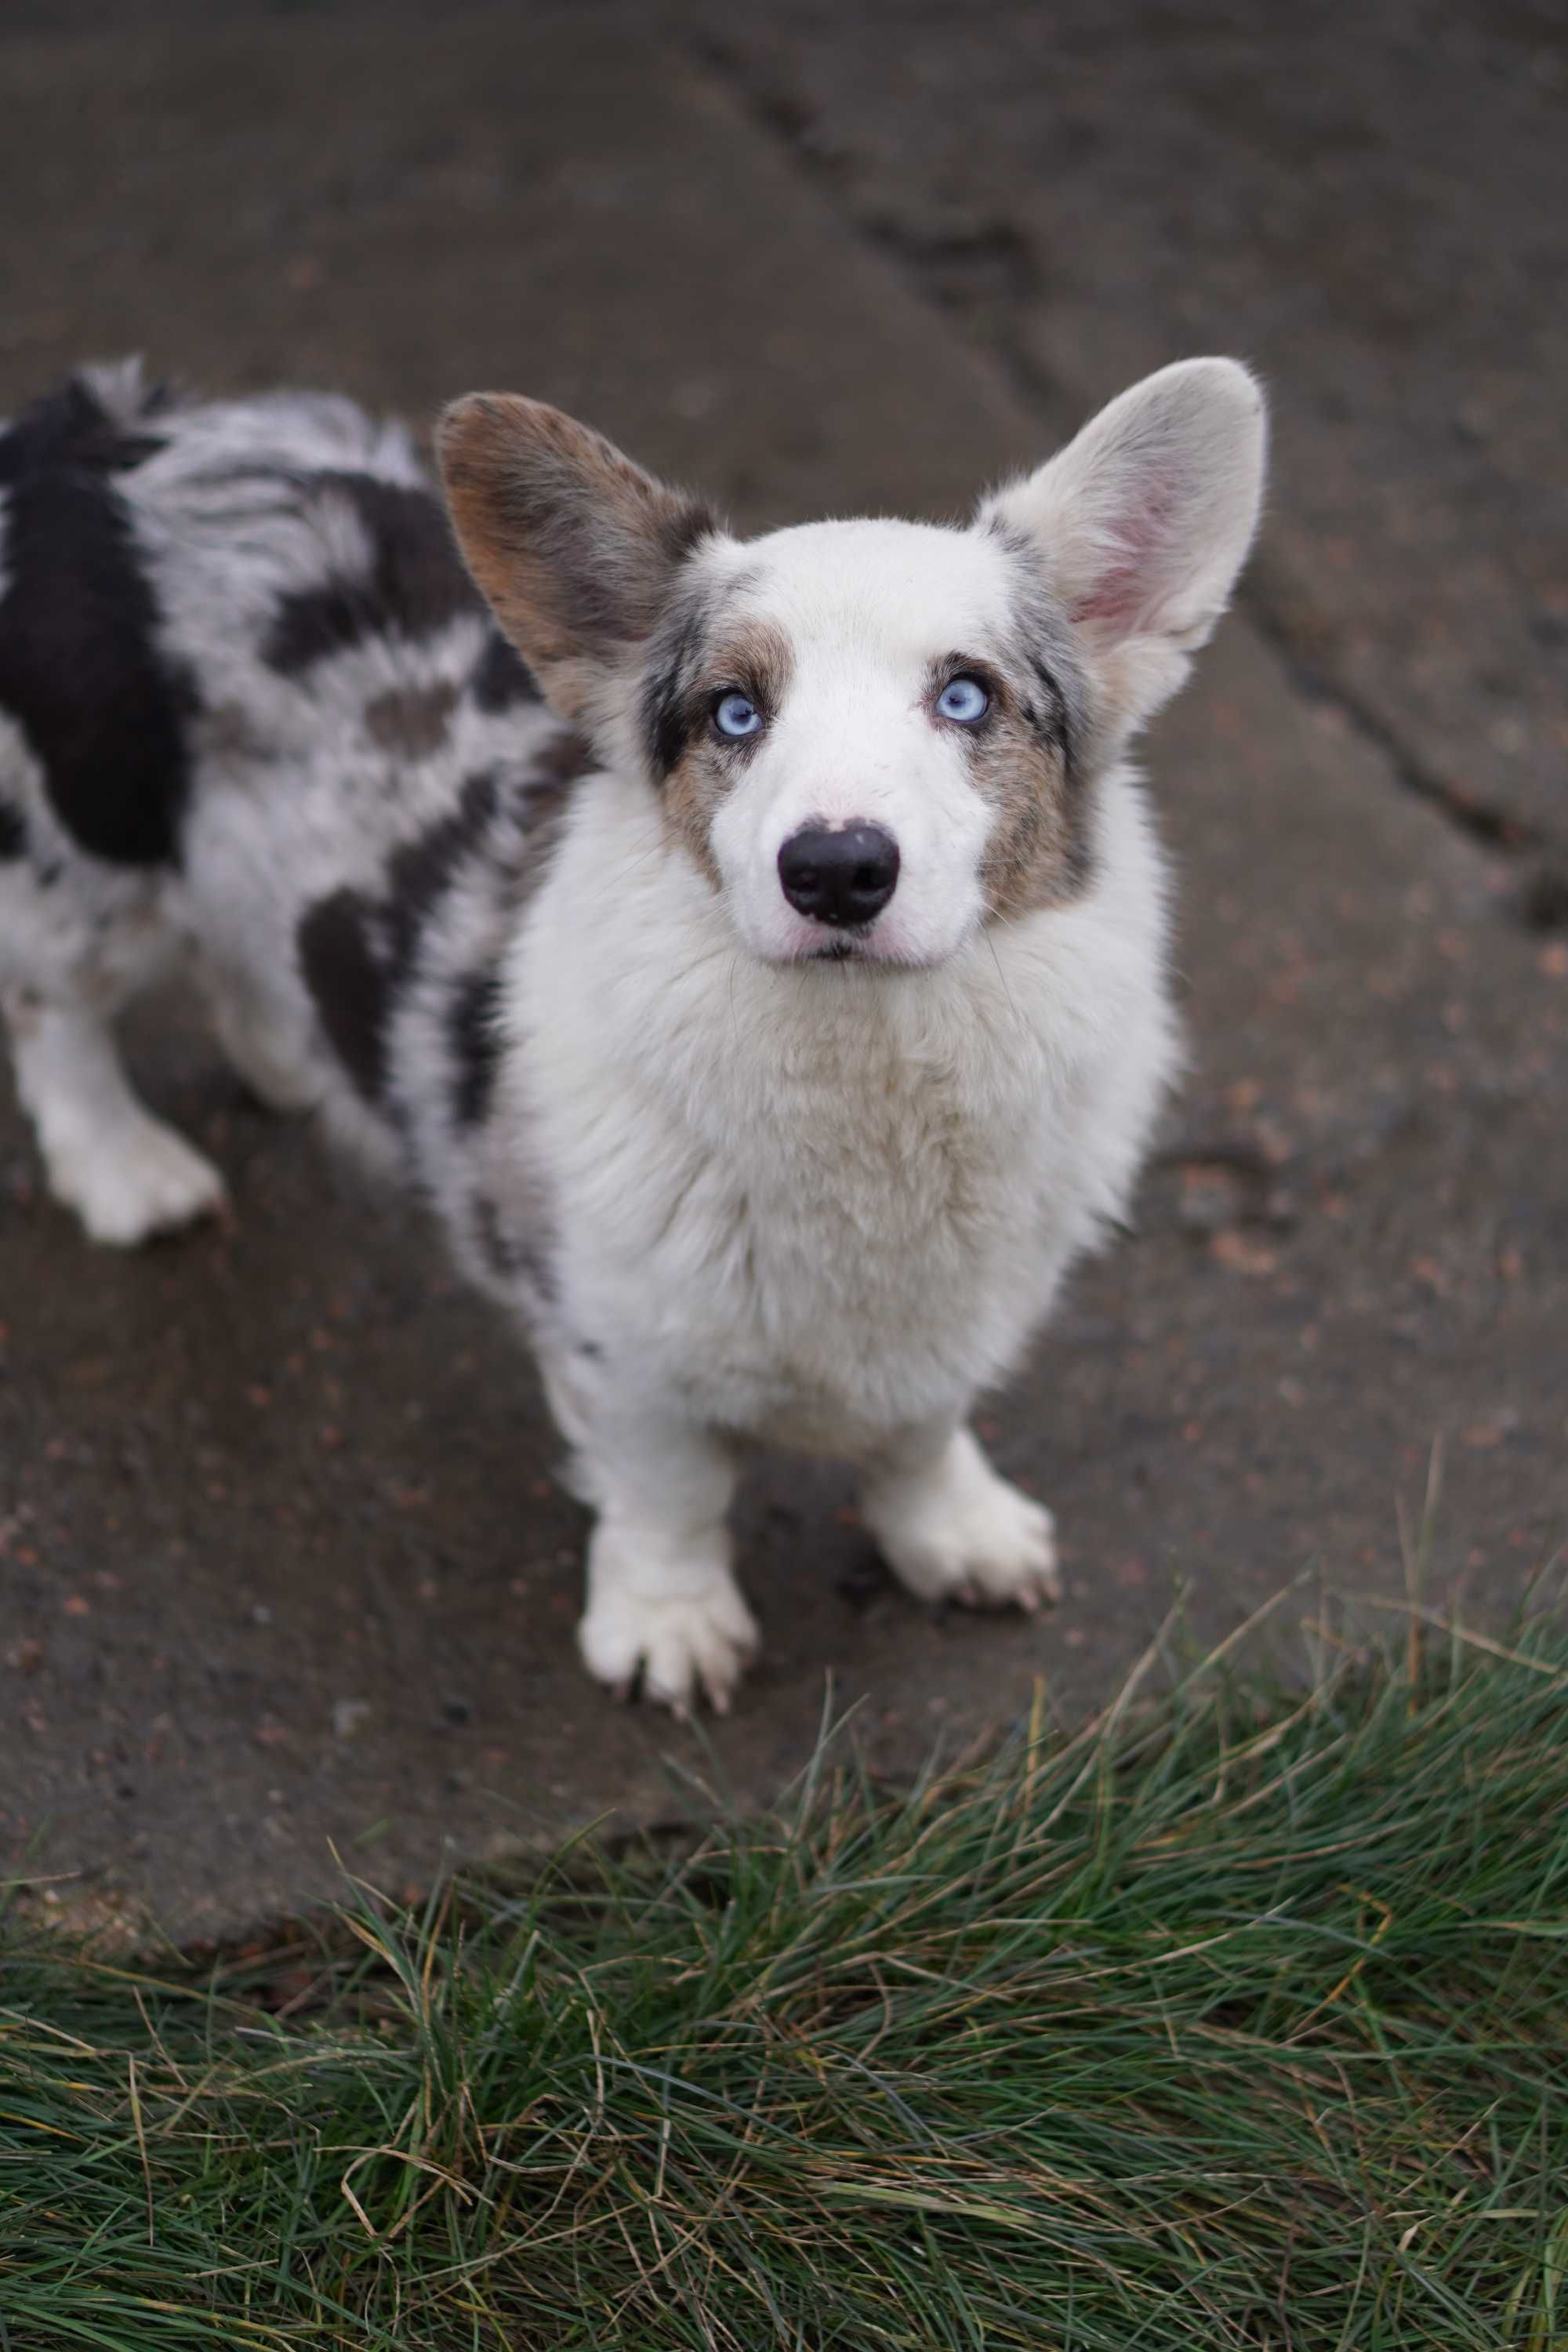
x=754, y=951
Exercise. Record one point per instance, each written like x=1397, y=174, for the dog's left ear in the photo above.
x=575, y=548
x=1142, y=524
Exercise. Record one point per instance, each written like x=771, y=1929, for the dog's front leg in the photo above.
x=663, y=1606
x=952, y=1529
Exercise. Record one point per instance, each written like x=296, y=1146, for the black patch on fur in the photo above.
x=670, y=712
x=414, y=585
x=475, y=1039
x=692, y=522
x=1052, y=724
x=501, y=678
x=348, y=981
x=1043, y=646
x=12, y=834
x=102, y=709
x=356, y=952
x=1050, y=721
x=420, y=871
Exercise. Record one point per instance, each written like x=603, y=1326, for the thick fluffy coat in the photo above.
x=754, y=951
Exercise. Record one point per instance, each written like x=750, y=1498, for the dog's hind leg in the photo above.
x=79, y=940
x=262, y=1045
x=125, y=1173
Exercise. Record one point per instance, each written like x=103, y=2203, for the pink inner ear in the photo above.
x=1117, y=597
x=1129, y=585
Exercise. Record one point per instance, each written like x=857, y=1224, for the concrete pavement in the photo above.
x=283, y=1560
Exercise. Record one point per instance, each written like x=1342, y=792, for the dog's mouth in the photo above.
x=863, y=956
x=869, y=948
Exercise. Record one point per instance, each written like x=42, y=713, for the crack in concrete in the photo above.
x=1495, y=828
x=1012, y=276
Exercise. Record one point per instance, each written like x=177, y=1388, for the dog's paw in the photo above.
x=681, y=1647
x=664, y=1614
x=135, y=1181
x=958, y=1532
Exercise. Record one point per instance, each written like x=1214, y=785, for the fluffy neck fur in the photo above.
x=860, y=1185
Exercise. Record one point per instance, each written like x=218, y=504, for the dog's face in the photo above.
x=863, y=732
x=871, y=737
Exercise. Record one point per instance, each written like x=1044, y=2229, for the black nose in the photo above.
x=839, y=877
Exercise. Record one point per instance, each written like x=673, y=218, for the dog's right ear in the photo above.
x=575, y=548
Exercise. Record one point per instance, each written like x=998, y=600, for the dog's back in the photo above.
x=251, y=703
x=163, y=560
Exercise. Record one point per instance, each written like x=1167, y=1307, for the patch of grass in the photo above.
x=1236, y=2019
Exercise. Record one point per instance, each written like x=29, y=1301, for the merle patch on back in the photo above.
x=102, y=707
x=348, y=982
x=474, y=1034
x=414, y=585
x=356, y=952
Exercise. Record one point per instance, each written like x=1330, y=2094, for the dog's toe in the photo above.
x=683, y=1649
x=970, y=1537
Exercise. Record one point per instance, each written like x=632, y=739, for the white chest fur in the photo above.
x=820, y=1204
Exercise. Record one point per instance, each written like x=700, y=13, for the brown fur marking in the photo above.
x=753, y=658
x=1035, y=856
x=411, y=721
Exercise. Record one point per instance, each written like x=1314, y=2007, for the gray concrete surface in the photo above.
x=281, y=1558
x=1369, y=203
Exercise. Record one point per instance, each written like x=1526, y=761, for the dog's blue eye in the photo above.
x=737, y=714
x=963, y=698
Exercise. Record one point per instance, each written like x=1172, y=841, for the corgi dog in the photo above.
x=754, y=951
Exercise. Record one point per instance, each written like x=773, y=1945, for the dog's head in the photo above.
x=872, y=737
